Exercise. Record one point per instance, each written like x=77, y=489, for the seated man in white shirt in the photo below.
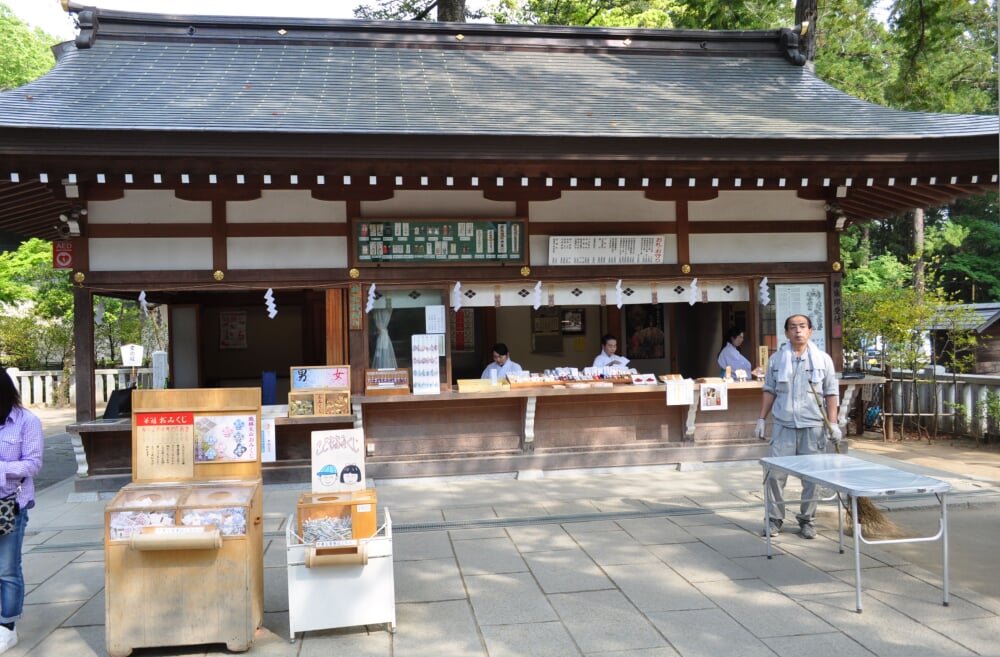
x=607, y=357
x=502, y=364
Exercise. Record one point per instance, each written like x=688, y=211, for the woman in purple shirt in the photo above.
x=21, y=445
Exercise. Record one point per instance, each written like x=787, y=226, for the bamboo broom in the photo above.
x=873, y=522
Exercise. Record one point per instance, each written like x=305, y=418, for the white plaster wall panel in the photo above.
x=593, y=206
x=286, y=252
x=429, y=204
x=150, y=254
x=539, y=254
x=285, y=207
x=149, y=206
x=776, y=205
x=539, y=244
x=759, y=247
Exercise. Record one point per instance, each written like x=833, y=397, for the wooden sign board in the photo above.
x=195, y=434
x=419, y=241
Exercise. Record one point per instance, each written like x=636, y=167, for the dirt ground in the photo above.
x=957, y=455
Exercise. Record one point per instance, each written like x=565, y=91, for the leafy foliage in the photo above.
x=24, y=53
x=417, y=10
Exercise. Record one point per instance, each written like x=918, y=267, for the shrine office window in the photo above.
x=408, y=328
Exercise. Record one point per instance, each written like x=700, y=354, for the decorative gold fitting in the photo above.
x=459, y=36
x=218, y=274
x=79, y=277
x=836, y=266
x=685, y=269
x=526, y=271
x=353, y=272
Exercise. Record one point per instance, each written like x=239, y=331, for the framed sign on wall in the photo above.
x=419, y=241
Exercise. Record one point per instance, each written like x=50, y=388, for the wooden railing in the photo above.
x=39, y=387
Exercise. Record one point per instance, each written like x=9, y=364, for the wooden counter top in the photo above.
x=562, y=391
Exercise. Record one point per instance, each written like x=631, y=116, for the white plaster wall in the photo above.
x=776, y=205
x=149, y=206
x=430, y=204
x=149, y=254
x=761, y=247
x=602, y=206
x=282, y=207
x=286, y=252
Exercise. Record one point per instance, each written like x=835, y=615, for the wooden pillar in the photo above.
x=83, y=339
x=336, y=327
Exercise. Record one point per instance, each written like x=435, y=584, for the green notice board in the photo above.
x=438, y=240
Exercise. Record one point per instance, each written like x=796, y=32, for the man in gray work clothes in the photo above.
x=800, y=386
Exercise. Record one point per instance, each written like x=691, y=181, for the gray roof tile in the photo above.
x=239, y=84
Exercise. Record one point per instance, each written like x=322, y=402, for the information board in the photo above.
x=607, y=250
x=438, y=240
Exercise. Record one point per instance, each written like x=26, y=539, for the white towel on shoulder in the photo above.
x=814, y=356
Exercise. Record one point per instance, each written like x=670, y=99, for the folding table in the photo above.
x=854, y=477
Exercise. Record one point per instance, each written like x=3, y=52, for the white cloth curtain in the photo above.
x=384, y=357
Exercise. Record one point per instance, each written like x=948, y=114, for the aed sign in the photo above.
x=62, y=255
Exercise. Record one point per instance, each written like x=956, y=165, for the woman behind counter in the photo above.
x=502, y=364
x=21, y=446
x=730, y=355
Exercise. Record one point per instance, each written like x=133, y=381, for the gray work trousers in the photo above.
x=787, y=441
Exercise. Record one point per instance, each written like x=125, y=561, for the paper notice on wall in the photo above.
x=714, y=397
x=338, y=460
x=426, y=350
x=435, y=319
x=268, y=451
x=680, y=392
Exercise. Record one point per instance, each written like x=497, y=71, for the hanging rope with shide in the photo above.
x=21, y=446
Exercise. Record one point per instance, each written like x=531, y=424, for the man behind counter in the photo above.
x=502, y=364
x=607, y=357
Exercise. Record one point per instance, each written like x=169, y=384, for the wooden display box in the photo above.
x=387, y=382
x=184, y=565
x=319, y=403
x=346, y=515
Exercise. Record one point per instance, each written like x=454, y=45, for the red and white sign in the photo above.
x=62, y=255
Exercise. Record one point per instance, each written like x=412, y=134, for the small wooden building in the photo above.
x=544, y=185
x=984, y=320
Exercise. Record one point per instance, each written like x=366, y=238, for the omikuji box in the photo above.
x=337, y=516
x=183, y=543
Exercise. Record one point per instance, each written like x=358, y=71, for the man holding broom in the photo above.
x=798, y=376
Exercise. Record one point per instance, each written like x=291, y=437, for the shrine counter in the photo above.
x=509, y=430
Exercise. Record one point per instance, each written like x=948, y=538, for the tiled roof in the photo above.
x=353, y=77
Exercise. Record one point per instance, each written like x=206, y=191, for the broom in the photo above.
x=873, y=522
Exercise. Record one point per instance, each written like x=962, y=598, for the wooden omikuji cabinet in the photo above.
x=184, y=541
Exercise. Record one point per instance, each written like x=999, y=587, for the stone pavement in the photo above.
x=646, y=562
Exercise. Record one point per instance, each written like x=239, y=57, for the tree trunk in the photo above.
x=806, y=12
x=866, y=245
x=451, y=11
x=918, y=251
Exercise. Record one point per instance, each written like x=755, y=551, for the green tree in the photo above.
x=418, y=10
x=25, y=54
x=36, y=329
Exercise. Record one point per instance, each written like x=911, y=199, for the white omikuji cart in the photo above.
x=340, y=583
